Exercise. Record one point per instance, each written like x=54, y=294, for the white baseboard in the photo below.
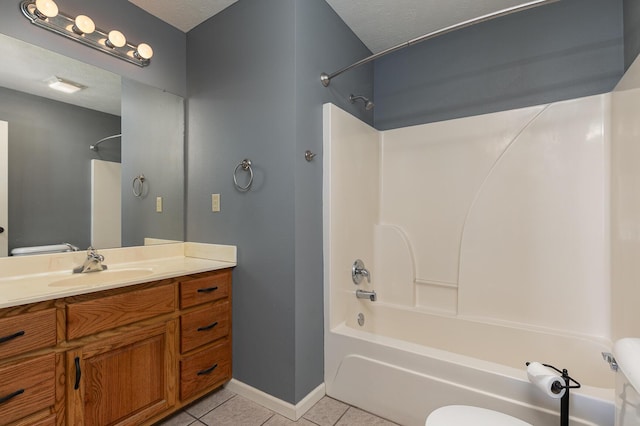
x=286, y=409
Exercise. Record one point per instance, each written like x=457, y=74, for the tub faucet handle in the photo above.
x=358, y=271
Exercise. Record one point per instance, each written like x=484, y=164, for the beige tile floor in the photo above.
x=226, y=408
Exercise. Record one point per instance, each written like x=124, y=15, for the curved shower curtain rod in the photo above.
x=94, y=147
x=326, y=78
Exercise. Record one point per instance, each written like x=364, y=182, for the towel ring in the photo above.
x=246, y=166
x=138, y=185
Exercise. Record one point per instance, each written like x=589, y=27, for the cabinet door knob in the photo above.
x=1, y=229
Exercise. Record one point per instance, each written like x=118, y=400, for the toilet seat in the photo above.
x=466, y=415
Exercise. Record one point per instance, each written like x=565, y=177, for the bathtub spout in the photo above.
x=364, y=294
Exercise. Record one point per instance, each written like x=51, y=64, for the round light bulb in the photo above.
x=144, y=51
x=84, y=25
x=46, y=9
x=116, y=39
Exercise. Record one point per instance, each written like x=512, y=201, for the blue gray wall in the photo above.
x=50, y=167
x=631, y=31
x=152, y=145
x=254, y=92
x=564, y=50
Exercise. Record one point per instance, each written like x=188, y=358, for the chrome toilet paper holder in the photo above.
x=564, y=401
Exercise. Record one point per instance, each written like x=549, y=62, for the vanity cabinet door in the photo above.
x=123, y=380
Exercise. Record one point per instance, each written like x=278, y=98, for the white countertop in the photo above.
x=37, y=278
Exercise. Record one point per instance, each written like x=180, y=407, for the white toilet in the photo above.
x=467, y=415
x=627, y=355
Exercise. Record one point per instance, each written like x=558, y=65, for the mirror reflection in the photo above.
x=60, y=190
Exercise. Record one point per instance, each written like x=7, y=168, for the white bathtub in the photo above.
x=403, y=364
x=477, y=269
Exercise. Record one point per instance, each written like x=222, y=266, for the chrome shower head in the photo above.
x=368, y=105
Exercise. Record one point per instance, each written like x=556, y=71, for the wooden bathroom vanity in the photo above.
x=124, y=356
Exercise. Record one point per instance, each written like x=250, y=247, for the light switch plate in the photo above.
x=215, y=202
x=159, y=204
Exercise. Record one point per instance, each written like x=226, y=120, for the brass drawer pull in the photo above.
x=208, y=370
x=208, y=327
x=10, y=396
x=11, y=337
x=207, y=290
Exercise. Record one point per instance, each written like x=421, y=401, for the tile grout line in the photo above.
x=270, y=417
x=340, y=418
x=214, y=408
x=195, y=419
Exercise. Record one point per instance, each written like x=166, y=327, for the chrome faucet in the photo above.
x=93, y=263
x=358, y=271
x=364, y=294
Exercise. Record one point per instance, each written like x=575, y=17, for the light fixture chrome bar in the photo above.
x=326, y=78
x=63, y=25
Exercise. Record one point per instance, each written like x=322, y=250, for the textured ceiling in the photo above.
x=378, y=23
x=381, y=24
x=183, y=14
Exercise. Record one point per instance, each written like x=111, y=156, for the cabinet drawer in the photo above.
x=93, y=316
x=204, y=326
x=27, y=332
x=206, y=289
x=27, y=387
x=205, y=369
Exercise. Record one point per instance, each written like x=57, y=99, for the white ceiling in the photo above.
x=378, y=23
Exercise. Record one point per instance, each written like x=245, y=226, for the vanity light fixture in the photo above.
x=144, y=51
x=46, y=9
x=45, y=14
x=62, y=85
x=115, y=39
x=83, y=25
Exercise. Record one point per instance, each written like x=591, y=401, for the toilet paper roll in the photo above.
x=544, y=378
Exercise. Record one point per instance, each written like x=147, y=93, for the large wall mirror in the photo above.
x=60, y=190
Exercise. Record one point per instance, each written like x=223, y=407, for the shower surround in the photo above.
x=488, y=243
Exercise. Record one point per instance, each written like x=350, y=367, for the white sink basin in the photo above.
x=102, y=277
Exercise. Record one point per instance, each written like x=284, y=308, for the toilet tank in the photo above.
x=55, y=248
x=627, y=354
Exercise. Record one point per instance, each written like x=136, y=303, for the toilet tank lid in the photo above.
x=627, y=354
